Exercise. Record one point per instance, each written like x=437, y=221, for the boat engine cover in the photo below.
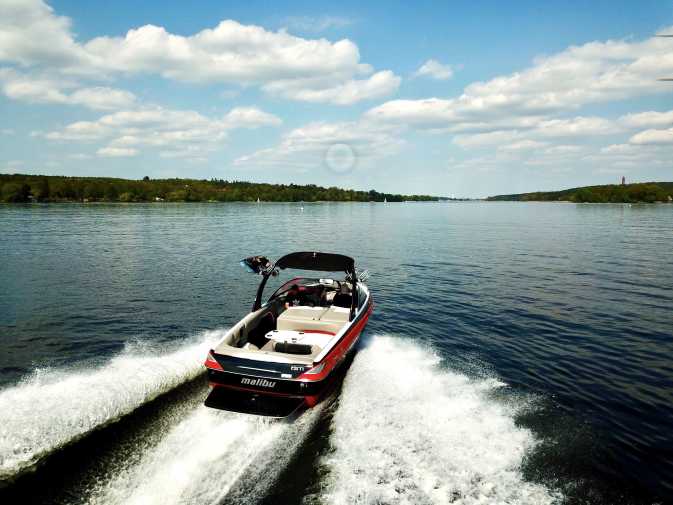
x=291, y=348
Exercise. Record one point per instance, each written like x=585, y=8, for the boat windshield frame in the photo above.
x=312, y=261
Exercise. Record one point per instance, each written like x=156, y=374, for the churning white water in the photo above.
x=54, y=407
x=408, y=431
x=206, y=457
x=198, y=460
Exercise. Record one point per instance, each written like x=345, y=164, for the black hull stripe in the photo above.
x=261, y=385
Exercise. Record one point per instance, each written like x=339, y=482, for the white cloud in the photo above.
x=592, y=73
x=80, y=130
x=40, y=89
x=523, y=145
x=425, y=113
x=653, y=137
x=618, y=149
x=31, y=34
x=318, y=70
x=316, y=24
x=31, y=89
x=230, y=52
x=576, y=127
x=489, y=163
x=250, y=117
x=525, y=117
x=632, y=156
x=557, y=156
x=309, y=145
x=539, y=133
x=344, y=93
x=648, y=119
x=186, y=132
x=495, y=138
x=564, y=149
x=116, y=152
x=7, y=131
x=102, y=98
x=435, y=70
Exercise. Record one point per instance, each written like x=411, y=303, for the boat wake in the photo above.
x=408, y=431
x=405, y=431
x=52, y=408
x=209, y=456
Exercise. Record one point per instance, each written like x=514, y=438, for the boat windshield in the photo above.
x=295, y=283
x=304, y=266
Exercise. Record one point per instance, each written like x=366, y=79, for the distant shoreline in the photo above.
x=22, y=188
x=645, y=192
x=248, y=202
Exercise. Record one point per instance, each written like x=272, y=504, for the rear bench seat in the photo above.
x=330, y=319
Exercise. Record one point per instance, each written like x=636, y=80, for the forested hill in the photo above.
x=647, y=192
x=38, y=188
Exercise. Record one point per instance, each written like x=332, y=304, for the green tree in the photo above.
x=584, y=195
x=93, y=191
x=127, y=197
x=15, y=192
x=41, y=190
x=111, y=194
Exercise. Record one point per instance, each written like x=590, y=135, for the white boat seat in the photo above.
x=336, y=315
x=299, y=337
x=329, y=319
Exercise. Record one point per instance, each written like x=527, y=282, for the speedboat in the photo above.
x=289, y=350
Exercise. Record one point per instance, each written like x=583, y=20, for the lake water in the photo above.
x=518, y=353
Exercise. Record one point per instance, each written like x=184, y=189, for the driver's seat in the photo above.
x=344, y=300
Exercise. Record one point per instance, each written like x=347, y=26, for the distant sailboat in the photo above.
x=257, y=200
x=385, y=200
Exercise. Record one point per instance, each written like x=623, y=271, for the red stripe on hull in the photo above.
x=339, y=352
x=318, y=331
x=332, y=361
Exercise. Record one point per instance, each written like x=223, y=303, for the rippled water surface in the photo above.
x=518, y=353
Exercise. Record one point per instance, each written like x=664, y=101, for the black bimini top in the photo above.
x=326, y=262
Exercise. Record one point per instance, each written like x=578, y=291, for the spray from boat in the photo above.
x=409, y=431
x=52, y=408
x=406, y=429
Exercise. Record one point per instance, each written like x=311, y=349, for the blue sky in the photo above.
x=463, y=99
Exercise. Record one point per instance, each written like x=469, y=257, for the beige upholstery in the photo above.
x=336, y=315
x=329, y=319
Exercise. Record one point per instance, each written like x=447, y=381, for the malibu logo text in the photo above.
x=258, y=382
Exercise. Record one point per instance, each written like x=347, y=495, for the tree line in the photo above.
x=18, y=188
x=648, y=192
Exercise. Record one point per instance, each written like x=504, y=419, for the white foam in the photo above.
x=54, y=407
x=202, y=458
x=408, y=431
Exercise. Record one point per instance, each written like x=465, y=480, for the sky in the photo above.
x=462, y=99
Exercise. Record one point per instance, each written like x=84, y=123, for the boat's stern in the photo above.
x=287, y=383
